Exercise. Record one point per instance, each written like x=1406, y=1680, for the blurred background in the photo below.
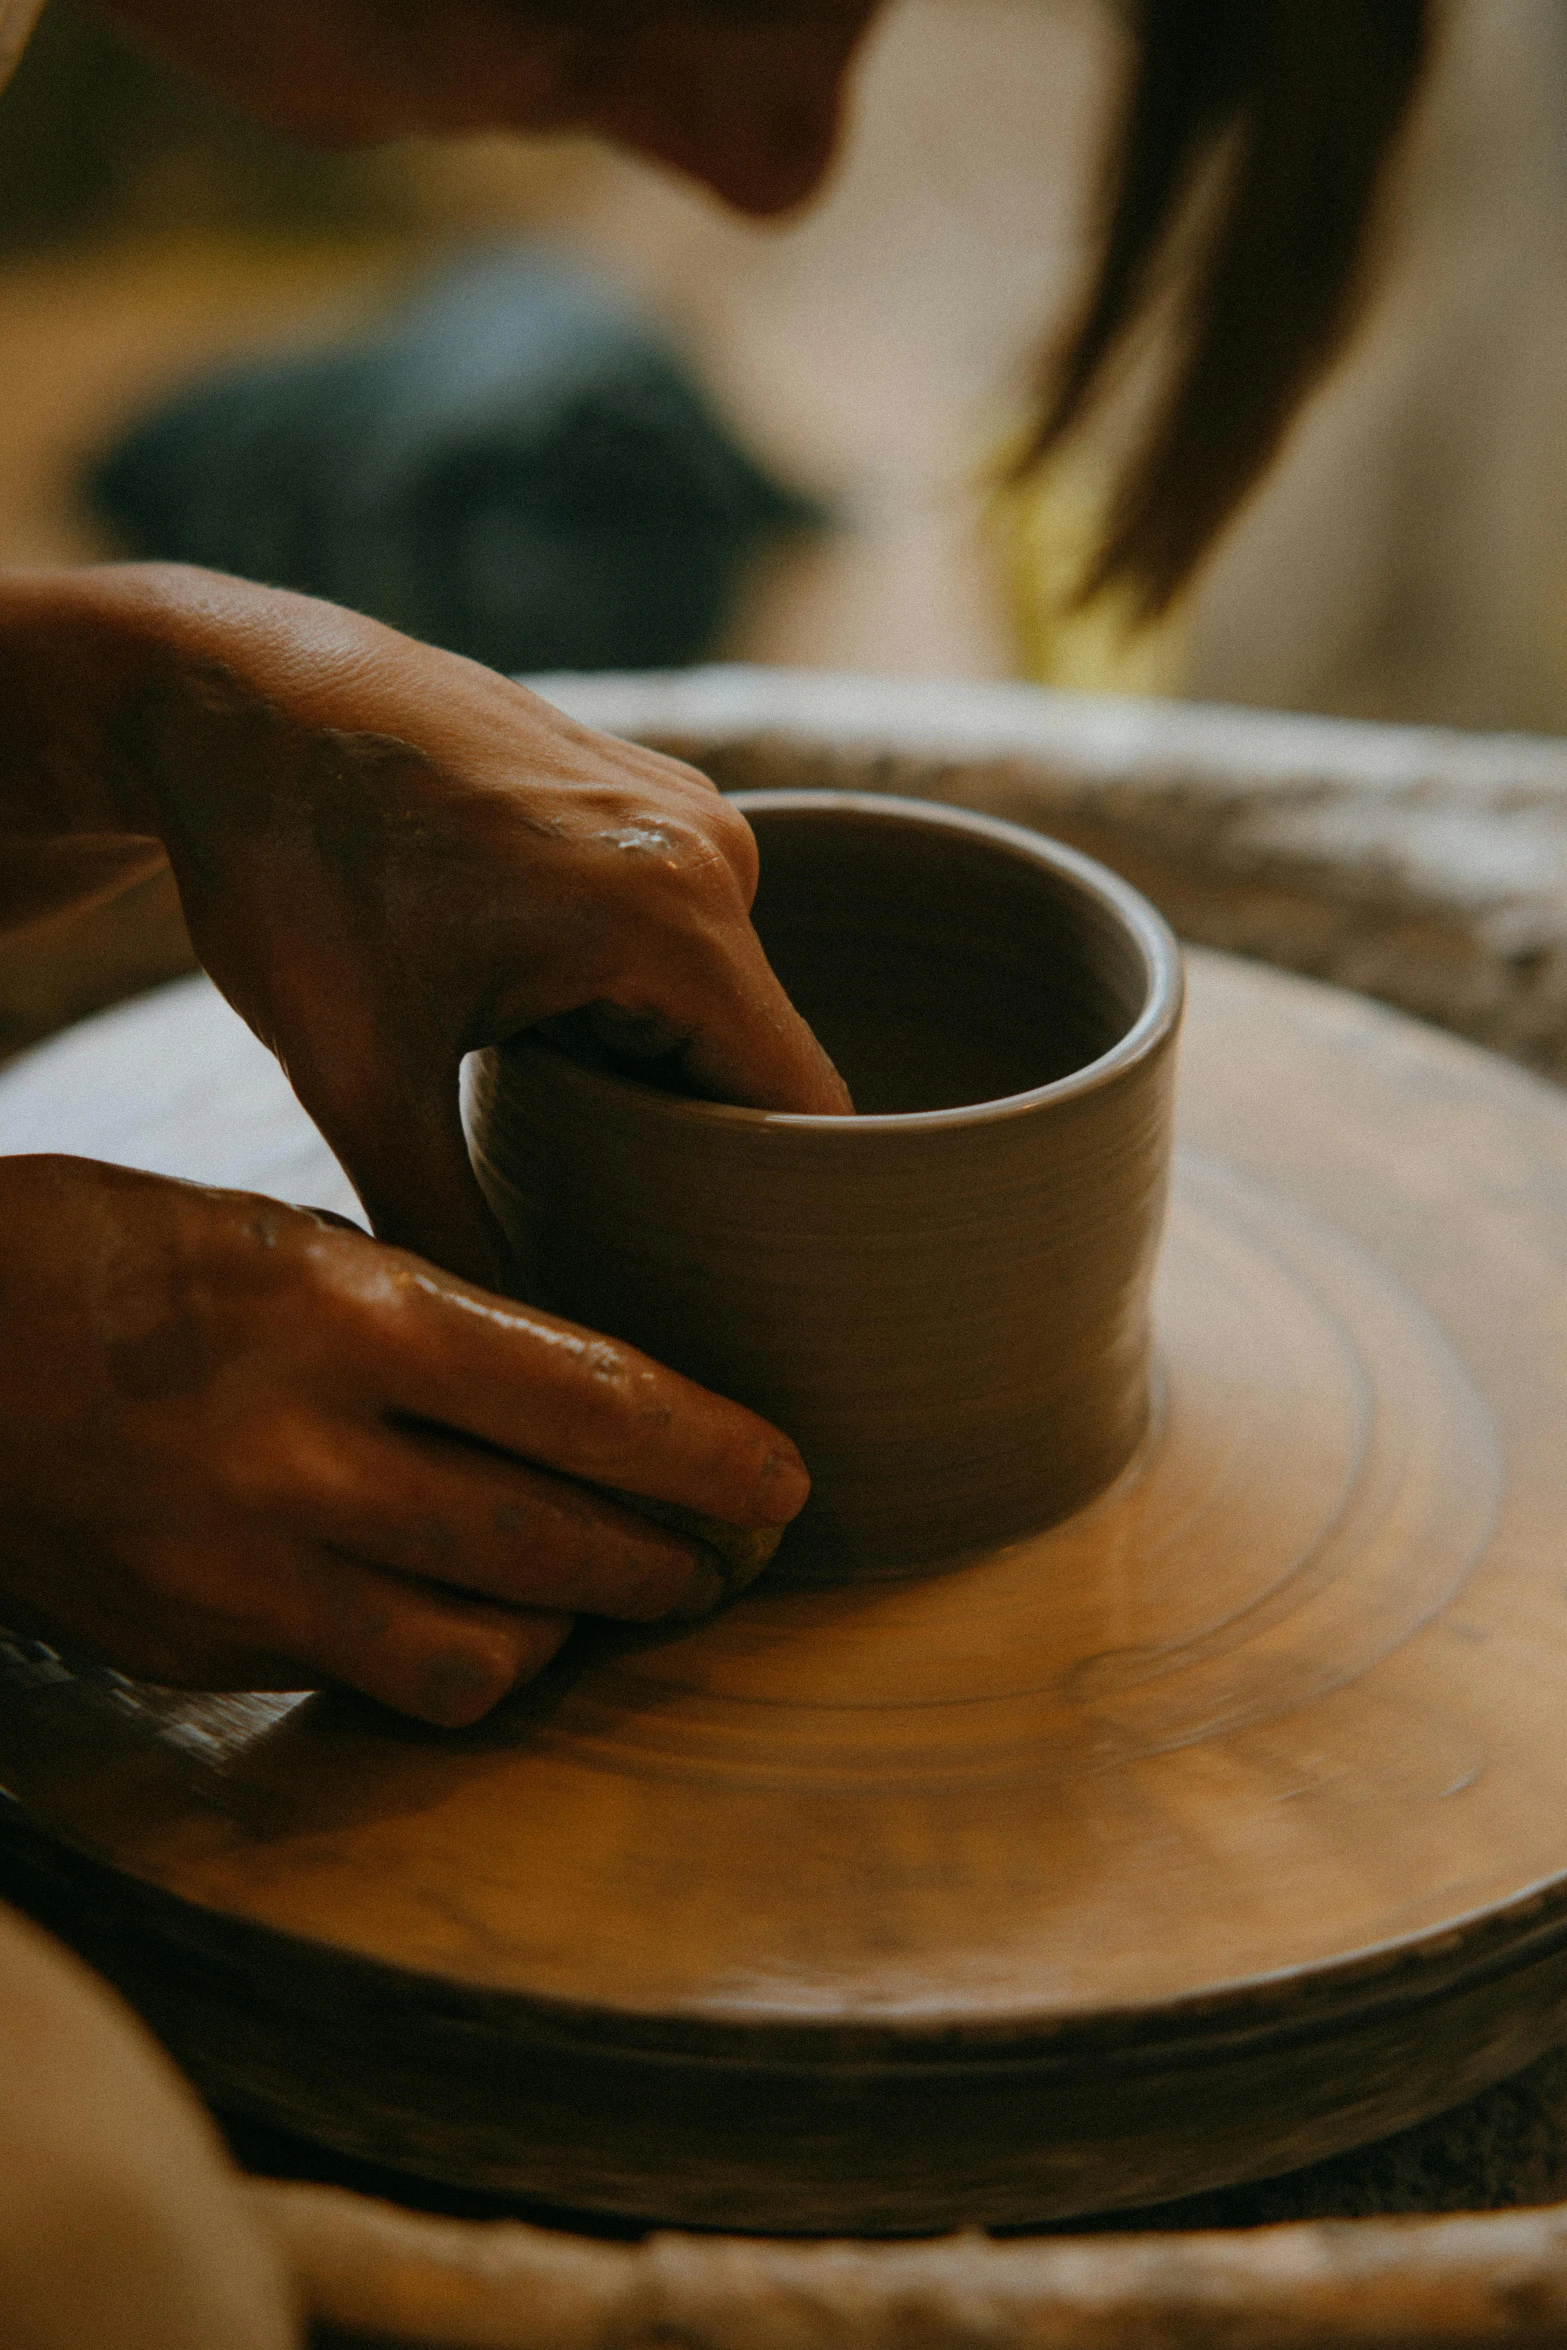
x=1408, y=558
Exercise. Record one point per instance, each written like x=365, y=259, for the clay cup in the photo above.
x=943, y=1300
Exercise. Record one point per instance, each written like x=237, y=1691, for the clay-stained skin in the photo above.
x=643, y=838
x=241, y=1444
x=230, y=1446
x=389, y=857
x=243, y=1447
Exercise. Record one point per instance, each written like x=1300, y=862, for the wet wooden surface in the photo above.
x=1218, y=1827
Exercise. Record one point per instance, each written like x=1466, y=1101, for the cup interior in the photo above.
x=940, y=967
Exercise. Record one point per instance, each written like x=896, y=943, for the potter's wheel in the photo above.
x=1221, y=1827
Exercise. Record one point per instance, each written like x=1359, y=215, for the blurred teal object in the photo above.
x=518, y=468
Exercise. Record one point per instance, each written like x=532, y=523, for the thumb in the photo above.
x=402, y=1146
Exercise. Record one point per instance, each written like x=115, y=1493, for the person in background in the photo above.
x=231, y=1432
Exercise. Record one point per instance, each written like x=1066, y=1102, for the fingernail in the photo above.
x=782, y=1489
x=702, y=1594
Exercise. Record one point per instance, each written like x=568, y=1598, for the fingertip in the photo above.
x=818, y=1088
x=466, y=1679
x=836, y=1099
x=420, y=1193
x=783, y=1487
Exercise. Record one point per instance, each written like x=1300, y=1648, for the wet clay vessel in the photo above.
x=944, y=1299
x=1220, y=1825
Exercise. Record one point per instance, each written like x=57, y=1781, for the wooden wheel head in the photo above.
x=1217, y=1827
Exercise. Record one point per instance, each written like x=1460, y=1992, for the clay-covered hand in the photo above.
x=389, y=856
x=242, y=1446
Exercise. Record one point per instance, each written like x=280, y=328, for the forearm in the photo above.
x=150, y=705
x=66, y=835
x=76, y=656
x=93, y=666
x=108, y=675
x=143, y=703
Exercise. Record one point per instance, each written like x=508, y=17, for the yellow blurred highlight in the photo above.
x=1044, y=533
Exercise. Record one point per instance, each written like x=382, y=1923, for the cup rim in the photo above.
x=1152, y=934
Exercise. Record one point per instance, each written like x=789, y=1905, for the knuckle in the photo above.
x=298, y=1256
x=734, y=828
x=666, y=774
x=613, y=1373
x=707, y=850
x=694, y=866
x=370, y=1318
x=620, y=1400
x=735, y=841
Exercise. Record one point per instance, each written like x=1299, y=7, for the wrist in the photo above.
x=120, y=682
x=86, y=659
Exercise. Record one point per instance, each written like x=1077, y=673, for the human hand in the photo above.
x=243, y=1446
x=389, y=856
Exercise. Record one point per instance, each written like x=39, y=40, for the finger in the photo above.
x=648, y=1048
x=566, y=1399
x=397, y=1132
x=330, y=1218
x=435, y=1654
x=289, y=1614
x=710, y=990
x=685, y=969
x=453, y=1513
x=748, y=1045
x=712, y=982
x=380, y=1079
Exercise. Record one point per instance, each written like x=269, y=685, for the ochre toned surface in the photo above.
x=1223, y=1824
x=1447, y=2284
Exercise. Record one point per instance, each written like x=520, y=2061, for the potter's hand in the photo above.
x=388, y=856
x=241, y=1446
